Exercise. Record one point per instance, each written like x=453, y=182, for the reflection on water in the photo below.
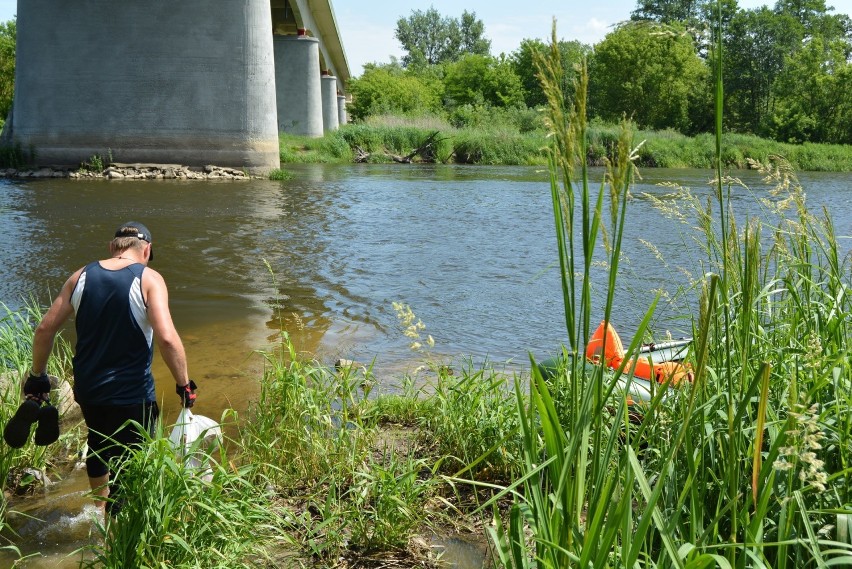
x=323, y=257
x=458, y=553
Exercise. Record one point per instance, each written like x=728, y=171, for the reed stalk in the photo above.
x=748, y=465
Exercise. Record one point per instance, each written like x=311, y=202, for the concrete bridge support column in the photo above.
x=189, y=82
x=341, y=110
x=298, y=86
x=329, y=103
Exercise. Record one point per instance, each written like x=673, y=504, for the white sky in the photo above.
x=367, y=26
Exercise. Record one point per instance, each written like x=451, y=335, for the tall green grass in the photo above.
x=330, y=149
x=749, y=465
x=307, y=419
x=16, y=333
x=172, y=516
x=502, y=142
x=16, y=465
x=16, y=156
x=314, y=439
x=494, y=146
x=382, y=140
x=472, y=425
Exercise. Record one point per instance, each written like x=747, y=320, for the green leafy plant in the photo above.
x=280, y=175
x=386, y=499
x=95, y=164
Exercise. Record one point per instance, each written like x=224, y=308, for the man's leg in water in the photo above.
x=100, y=490
x=104, y=450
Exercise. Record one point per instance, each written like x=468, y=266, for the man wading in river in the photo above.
x=120, y=305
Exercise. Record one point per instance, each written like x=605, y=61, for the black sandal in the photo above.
x=17, y=430
x=47, y=431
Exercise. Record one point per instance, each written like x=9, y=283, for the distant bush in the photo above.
x=521, y=119
x=819, y=157
x=279, y=175
x=480, y=146
x=331, y=148
x=390, y=89
x=425, y=121
x=669, y=149
x=395, y=139
x=481, y=79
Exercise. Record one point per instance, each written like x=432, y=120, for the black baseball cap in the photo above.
x=135, y=229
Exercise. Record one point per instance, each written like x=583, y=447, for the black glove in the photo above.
x=187, y=393
x=37, y=386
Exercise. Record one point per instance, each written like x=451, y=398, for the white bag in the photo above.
x=193, y=437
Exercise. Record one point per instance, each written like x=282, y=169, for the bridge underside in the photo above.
x=317, y=19
x=190, y=82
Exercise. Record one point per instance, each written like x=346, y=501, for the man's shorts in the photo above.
x=110, y=434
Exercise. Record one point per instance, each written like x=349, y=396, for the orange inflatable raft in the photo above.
x=606, y=344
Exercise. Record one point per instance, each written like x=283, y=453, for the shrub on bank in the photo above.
x=498, y=147
x=329, y=149
x=522, y=119
x=465, y=146
x=394, y=139
x=819, y=157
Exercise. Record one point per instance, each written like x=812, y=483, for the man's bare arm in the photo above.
x=168, y=340
x=53, y=319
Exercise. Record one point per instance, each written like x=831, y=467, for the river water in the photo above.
x=470, y=249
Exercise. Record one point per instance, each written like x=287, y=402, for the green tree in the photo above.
x=814, y=17
x=8, y=35
x=388, y=88
x=813, y=101
x=472, y=35
x=698, y=16
x=757, y=43
x=650, y=73
x=430, y=38
x=482, y=80
x=523, y=62
x=816, y=21
x=669, y=11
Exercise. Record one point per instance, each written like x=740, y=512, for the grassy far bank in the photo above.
x=385, y=137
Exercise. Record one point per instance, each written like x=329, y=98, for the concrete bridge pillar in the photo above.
x=329, y=102
x=298, y=86
x=189, y=82
x=341, y=110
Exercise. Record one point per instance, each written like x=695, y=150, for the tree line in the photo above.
x=787, y=71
